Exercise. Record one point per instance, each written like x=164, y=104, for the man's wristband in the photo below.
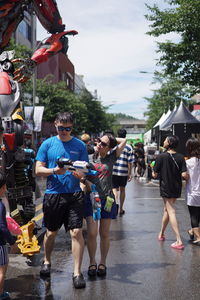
x=54, y=172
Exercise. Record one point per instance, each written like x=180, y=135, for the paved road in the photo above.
x=139, y=266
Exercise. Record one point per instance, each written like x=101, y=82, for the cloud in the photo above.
x=111, y=49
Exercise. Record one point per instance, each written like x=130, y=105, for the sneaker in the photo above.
x=79, y=281
x=45, y=270
x=4, y=296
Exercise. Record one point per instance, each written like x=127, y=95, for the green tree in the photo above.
x=98, y=118
x=21, y=51
x=54, y=97
x=124, y=116
x=91, y=116
x=182, y=56
x=171, y=92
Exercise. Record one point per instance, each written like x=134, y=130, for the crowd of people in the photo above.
x=67, y=199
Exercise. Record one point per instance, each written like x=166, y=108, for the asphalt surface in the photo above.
x=139, y=266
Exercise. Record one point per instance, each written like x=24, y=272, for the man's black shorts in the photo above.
x=67, y=209
x=118, y=181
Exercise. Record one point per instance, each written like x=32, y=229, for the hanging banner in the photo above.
x=28, y=114
x=37, y=118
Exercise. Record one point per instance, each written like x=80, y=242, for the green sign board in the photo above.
x=135, y=138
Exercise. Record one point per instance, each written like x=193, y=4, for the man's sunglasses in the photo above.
x=103, y=144
x=62, y=128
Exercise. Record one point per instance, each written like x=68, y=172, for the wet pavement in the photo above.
x=139, y=266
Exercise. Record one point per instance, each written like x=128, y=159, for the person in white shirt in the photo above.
x=193, y=188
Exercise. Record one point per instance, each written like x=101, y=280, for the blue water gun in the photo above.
x=96, y=203
x=78, y=165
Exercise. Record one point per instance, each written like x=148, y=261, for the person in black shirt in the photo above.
x=171, y=168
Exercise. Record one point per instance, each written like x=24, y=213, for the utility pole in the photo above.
x=33, y=44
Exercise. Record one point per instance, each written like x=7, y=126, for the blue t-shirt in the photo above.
x=53, y=148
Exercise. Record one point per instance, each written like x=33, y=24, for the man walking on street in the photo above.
x=63, y=199
x=122, y=172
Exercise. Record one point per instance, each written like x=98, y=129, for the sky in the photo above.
x=111, y=50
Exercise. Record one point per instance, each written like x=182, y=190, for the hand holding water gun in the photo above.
x=77, y=166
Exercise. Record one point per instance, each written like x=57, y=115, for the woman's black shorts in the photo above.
x=67, y=209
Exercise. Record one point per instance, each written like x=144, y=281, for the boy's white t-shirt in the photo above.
x=193, y=184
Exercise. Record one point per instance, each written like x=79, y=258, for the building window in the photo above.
x=29, y=33
x=25, y=30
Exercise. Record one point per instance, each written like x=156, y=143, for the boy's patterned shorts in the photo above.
x=3, y=255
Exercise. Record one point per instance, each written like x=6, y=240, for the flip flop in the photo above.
x=162, y=238
x=178, y=247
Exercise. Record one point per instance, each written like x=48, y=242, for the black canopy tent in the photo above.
x=183, y=124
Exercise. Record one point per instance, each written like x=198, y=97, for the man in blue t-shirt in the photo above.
x=63, y=199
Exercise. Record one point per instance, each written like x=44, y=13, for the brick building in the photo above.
x=60, y=67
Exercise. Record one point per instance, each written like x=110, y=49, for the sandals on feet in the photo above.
x=197, y=243
x=177, y=246
x=92, y=270
x=161, y=238
x=101, y=271
x=121, y=213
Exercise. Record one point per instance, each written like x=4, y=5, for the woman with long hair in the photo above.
x=193, y=188
x=108, y=149
x=171, y=168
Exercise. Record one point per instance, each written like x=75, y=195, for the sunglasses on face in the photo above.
x=103, y=144
x=62, y=128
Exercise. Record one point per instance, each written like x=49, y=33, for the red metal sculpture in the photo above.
x=12, y=13
x=13, y=157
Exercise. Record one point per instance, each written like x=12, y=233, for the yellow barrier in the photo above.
x=27, y=241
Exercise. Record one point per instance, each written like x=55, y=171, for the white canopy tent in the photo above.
x=162, y=118
x=147, y=137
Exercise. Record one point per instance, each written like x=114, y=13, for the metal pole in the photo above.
x=34, y=73
x=34, y=95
